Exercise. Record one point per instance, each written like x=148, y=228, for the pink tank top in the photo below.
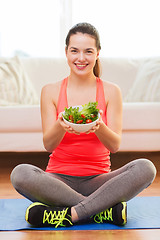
x=84, y=154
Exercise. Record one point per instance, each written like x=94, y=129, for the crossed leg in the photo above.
x=87, y=196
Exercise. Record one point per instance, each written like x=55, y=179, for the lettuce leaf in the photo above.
x=89, y=111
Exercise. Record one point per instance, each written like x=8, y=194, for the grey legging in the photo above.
x=89, y=195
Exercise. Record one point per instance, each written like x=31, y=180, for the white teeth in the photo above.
x=81, y=65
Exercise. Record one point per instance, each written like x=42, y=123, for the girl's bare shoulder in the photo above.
x=111, y=89
x=110, y=85
x=51, y=90
x=52, y=86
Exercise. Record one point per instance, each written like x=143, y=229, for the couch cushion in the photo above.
x=21, y=142
x=47, y=70
x=136, y=116
x=120, y=71
x=42, y=71
x=20, y=118
x=20, y=128
x=141, y=116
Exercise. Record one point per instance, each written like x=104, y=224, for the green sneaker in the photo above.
x=41, y=215
x=116, y=215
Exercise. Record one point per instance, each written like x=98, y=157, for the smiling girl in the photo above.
x=78, y=184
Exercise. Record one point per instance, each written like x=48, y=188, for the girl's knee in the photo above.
x=147, y=169
x=18, y=175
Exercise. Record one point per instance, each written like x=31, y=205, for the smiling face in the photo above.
x=82, y=54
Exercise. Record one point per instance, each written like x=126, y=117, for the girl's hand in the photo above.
x=66, y=127
x=98, y=123
x=71, y=130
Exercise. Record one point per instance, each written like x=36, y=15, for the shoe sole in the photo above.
x=124, y=212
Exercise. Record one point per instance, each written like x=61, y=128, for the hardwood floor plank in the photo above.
x=148, y=234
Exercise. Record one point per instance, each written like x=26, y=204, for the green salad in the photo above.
x=88, y=114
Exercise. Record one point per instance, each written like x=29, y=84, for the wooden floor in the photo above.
x=9, y=160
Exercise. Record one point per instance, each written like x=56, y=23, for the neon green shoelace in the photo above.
x=102, y=216
x=56, y=218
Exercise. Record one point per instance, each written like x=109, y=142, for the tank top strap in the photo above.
x=100, y=98
x=62, y=99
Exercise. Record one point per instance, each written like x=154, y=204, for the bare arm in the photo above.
x=53, y=129
x=110, y=135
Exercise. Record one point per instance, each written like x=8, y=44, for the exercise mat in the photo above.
x=142, y=213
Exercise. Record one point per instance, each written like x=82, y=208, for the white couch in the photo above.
x=20, y=125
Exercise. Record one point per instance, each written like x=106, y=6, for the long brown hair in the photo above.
x=92, y=31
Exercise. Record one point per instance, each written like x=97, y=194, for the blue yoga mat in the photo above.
x=143, y=213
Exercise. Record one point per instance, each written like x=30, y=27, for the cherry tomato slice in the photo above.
x=88, y=121
x=79, y=121
x=70, y=117
x=82, y=115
